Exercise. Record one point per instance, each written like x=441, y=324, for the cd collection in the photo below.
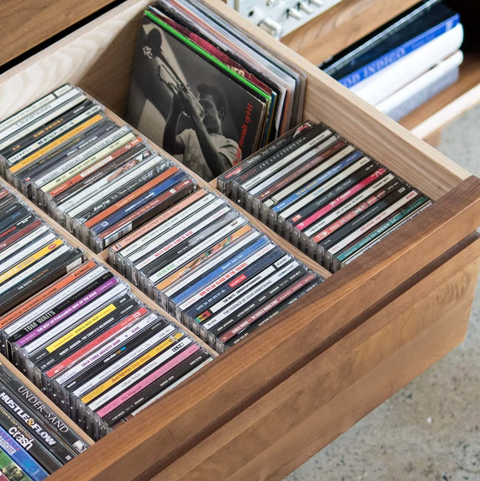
x=72, y=325
x=32, y=255
x=170, y=238
x=96, y=178
x=34, y=442
x=205, y=264
x=206, y=91
x=84, y=339
x=98, y=352
x=322, y=194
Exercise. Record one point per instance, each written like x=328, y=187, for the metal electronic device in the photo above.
x=281, y=17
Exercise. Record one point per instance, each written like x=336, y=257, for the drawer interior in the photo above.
x=98, y=58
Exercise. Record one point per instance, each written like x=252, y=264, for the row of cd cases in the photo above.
x=78, y=330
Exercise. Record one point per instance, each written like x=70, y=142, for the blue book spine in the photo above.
x=402, y=51
x=21, y=457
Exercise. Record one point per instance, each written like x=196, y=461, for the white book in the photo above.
x=425, y=95
x=386, y=82
x=422, y=88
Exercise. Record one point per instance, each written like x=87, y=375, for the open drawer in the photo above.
x=261, y=409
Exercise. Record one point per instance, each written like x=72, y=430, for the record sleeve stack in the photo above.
x=406, y=62
x=34, y=441
x=206, y=265
x=98, y=352
x=322, y=194
x=32, y=255
x=207, y=92
x=98, y=179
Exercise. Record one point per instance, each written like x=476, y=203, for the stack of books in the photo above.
x=406, y=62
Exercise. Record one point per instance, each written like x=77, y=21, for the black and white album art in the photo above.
x=189, y=106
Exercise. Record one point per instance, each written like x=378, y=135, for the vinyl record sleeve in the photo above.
x=172, y=75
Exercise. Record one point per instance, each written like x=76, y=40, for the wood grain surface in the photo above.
x=248, y=447
x=356, y=401
x=27, y=23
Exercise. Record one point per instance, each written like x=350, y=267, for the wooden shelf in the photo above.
x=27, y=23
x=450, y=104
x=342, y=25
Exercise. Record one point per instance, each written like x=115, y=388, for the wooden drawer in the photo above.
x=392, y=343
x=261, y=409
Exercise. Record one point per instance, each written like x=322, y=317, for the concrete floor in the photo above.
x=430, y=430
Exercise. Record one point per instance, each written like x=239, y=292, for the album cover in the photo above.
x=191, y=104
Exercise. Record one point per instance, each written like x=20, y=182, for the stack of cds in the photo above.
x=322, y=194
x=34, y=442
x=102, y=181
x=96, y=178
x=204, y=263
x=96, y=350
x=31, y=254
